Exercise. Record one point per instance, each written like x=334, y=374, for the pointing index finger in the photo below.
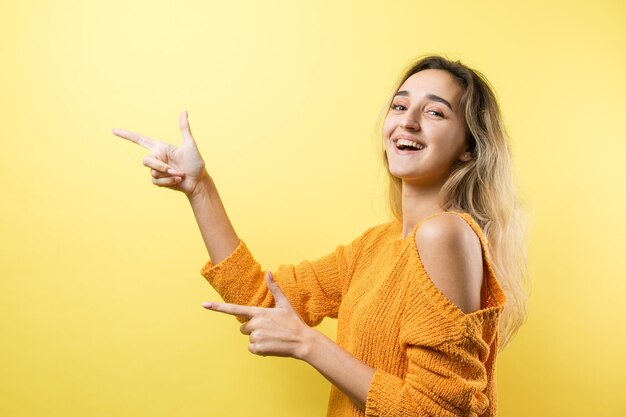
x=140, y=140
x=233, y=309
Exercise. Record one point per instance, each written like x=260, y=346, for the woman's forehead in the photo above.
x=432, y=81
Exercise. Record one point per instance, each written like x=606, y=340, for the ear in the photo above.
x=466, y=156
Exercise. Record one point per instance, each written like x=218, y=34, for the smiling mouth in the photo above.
x=408, y=145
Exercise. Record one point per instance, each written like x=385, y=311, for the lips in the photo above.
x=408, y=144
x=403, y=144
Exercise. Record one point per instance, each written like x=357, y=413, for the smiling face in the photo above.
x=424, y=130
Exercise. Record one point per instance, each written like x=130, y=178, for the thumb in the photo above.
x=281, y=299
x=185, y=129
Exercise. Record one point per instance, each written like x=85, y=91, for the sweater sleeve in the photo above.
x=446, y=380
x=314, y=288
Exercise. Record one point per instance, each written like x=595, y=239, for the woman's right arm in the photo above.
x=182, y=168
x=314, y=288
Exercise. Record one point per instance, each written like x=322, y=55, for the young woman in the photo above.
x=423, y=302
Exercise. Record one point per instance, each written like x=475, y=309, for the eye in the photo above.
x=398, y=107
x=435, y=113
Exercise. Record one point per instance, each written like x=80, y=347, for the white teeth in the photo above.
x=405, y=142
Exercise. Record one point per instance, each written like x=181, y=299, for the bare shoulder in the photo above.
x=451, y=254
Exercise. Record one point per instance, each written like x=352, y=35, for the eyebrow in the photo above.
x=432, y=97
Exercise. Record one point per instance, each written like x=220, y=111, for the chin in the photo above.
x=403, y=174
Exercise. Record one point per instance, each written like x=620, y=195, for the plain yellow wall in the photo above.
x=100, y=289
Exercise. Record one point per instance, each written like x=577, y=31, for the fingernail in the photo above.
x=206, y=305
x=171, y=171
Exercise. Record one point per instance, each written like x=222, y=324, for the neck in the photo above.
x=418, y=202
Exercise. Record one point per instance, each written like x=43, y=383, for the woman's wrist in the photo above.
x=204, y=187
x=310, y=344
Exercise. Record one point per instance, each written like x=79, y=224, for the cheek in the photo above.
x=388, y=126
x=455, y=137
x=461, y=138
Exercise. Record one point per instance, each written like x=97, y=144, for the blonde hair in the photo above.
x=483, y=186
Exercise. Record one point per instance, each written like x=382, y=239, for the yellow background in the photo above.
x=100, y=289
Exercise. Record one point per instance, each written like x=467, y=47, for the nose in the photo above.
x=409, y=122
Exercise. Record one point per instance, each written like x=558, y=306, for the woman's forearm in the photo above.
x=280, y=331
x=352, y=376
x=215, y=227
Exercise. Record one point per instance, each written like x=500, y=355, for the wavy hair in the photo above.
x=483, y=186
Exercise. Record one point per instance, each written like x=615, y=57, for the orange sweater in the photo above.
x=431, y=359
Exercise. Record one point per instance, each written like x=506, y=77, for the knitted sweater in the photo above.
x=431, y=359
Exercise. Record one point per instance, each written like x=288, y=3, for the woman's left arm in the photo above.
x=454, y=367
x=280, y=331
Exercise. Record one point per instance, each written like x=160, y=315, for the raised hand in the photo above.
x=180, y=167
x=277, y=331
